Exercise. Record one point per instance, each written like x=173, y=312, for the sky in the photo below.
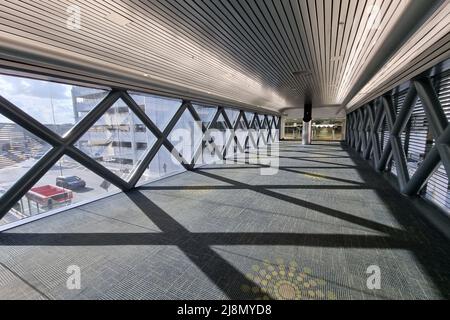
x=37, y=97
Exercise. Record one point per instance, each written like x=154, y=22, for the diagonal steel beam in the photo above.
x=402, y=120
x=91, y=118
x=350, y=129
x=436, y=117
x=363, y=132
x=233, y=136
x=227, y=119
x=240, y=118
x=60, y=146
x=396, y=143
x=371, y=125
x=97, y=168
x=358, y=128
x=162, y=141
x=247, y=123
x=427, y=168
x=376, y=146
x=199, y=150
x=266, y=118
x=204, y=132
x=145, y=119
x=29, y=179
x=355, y=129
x=242, y=147
x=278, y=123
x=364, y=129
x=24, y=120
x=254, y=123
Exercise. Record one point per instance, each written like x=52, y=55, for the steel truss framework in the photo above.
x=66, y=145
x=364, y=124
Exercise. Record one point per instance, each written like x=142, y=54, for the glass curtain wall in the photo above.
x=117, y=140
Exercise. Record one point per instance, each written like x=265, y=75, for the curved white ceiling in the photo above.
x=429, y=45
x=236, y=51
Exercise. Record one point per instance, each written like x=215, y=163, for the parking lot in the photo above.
x=95, y=186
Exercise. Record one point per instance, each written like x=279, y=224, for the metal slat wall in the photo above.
x=437, y=189
x=416, y=139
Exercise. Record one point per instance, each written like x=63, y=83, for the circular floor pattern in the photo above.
x=286, y=281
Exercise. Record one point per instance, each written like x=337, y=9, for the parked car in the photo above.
x=71, y=182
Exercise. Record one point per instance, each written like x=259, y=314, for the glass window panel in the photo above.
x=159, y=109
x=186, y=136
x=215, y=143
x=66, y=183
x=253, y=139
x=220, y=124
x=209, y=155
x=119, y=140
x=264, y=135
x=249, y=116
x=163, y=165
x=274, y=135
x=57, y=106
x=255, y=125
x=19, y=151
x=262, y=120
x=206, y=114
x=232, y=115
x=241, y=133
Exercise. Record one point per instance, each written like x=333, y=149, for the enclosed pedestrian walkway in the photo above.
x=311, y=231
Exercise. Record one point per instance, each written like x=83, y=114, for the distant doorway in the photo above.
x=328, y=130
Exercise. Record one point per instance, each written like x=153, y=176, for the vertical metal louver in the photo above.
x=398, y=100
x=385, y=139
x=437, y=189
x=417, y=138
x=408, y=144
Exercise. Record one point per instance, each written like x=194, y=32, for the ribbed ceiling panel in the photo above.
x=429, y=45
x=268, y=54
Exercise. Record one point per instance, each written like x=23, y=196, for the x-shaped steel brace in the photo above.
x=438, y=123
x=61, y=146
x=395, y=127
x=205, y=131
x=233, y=129
x=373, y=145
x=440, y=130
x=66, y=146
x=362, y=140
x=399, y=126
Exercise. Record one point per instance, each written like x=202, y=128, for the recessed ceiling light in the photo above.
x=301, y=73
x=118, y=19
